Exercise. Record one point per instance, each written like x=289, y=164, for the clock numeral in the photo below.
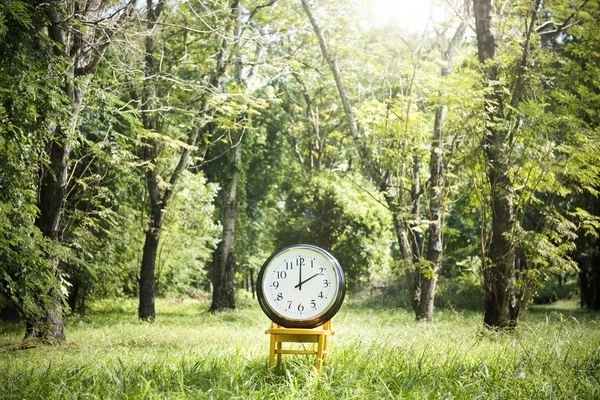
x=312, y=263
x=326, y=283
x=321, y=295
x=300, y=307
x=289, y=305
x=275, y=284
x=279, y=296
x=281, y=274
x=299, y=261
x=321, y=271
x=289, y=265
x=313, y=304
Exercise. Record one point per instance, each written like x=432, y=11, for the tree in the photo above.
x=421, y=268
x=80, y=42
x=224, y=258
x=437, y=169
x=159, y=194
x=30, y=98
x=531, y=149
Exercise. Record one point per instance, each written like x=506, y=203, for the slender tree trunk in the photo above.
x=434, y=235
x=401, y=229
x=225, y=265
x=146, y=306
x=49, y=326
x=224, y=258
x=436, y=189
x=589, y=284
x=146, y=309
x=415, y=198
x=416, y=272
x=252, y=283
x=499, y=276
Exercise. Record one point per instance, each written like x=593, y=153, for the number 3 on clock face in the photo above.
x=301, y=286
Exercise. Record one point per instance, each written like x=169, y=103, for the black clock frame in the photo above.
x=313, y=322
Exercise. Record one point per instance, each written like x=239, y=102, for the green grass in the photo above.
x=377, y=353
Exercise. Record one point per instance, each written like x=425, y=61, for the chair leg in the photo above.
x=279, y=353
x=320, y=346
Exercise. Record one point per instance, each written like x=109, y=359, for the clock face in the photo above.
x=301, y=286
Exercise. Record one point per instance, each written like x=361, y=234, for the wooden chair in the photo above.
x=280, y=335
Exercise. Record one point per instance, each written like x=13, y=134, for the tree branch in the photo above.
x=363, y=150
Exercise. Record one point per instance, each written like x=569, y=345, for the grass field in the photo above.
x=377, y=353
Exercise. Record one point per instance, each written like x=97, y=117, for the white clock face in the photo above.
x=300, y=283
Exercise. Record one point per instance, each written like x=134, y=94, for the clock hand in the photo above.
x=299, y=285
x=306, y=280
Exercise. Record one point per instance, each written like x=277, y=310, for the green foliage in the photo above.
x=25, y=270
x=29, y=98
x=555, y=150
x=189, y=237
x=559, y=287
x=340, y=214
x=464, y=292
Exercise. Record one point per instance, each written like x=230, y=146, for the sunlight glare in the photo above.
x=412, y=15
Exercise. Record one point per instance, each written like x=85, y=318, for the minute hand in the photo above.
x=304, y=281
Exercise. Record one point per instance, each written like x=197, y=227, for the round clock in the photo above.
x=301, y=286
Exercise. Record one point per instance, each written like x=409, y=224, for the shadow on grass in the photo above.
x=566, y=308
x=12, y=327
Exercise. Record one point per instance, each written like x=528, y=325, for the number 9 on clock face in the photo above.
x=301, y=286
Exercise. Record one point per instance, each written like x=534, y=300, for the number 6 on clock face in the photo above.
x=301, y=286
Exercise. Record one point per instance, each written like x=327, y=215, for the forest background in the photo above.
x=168, y=148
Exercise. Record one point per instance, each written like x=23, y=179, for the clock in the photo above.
x=301, y=286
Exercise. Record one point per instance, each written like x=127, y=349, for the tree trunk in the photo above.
x=417, y=272
x=252, y=282
x=146, y=307
x=224, y=260
x=436, y=201
x=49, y=325
x=436, y=189
x=77, y=296
x=499, y=276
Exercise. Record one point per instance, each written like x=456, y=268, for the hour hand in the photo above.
x=299, y=285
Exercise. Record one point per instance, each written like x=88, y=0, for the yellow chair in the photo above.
x=280, y=335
